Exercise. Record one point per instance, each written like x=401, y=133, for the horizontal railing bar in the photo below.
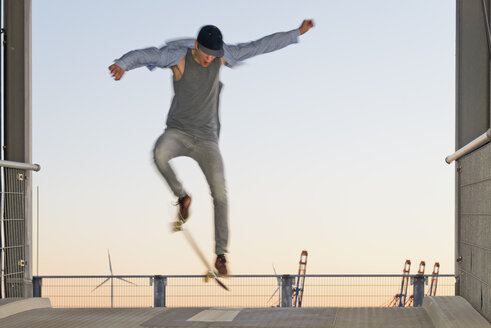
x=95, y=277
x=10, y=247
x=20, y=166
x=253, y=276
x=15, y=274
x=471, y=146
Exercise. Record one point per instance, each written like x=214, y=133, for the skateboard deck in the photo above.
x=210, y=274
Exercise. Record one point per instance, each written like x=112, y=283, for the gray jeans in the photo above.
x=175, y=143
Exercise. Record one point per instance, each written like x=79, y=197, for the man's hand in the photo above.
x=307, y=24
x=116, y=71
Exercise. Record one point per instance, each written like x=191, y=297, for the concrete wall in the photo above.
x=474, y=235
x=473, y=172
x=472, y=72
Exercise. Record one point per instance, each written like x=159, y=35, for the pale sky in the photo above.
x=335, y=145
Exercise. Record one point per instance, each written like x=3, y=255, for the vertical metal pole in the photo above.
x=401, y=295
x=286, y=290
x=418, y=290
x=3, y=293
x=112, y=292
x=37, y=283
x=458, y=217
x=37, y=234
x=2, y=232
x=159, y=291
x=296, y=290
x=431, y=288
x=1, y=150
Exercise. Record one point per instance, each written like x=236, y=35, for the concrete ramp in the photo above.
x=12, y=306
x=436, y=312
x=453, y=312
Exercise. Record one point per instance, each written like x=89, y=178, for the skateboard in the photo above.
x=210, y=274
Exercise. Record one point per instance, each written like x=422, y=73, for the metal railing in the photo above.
x=245, y=290
x=20, y=166
x=470, y=147
x=13, y=261
x=12, y=254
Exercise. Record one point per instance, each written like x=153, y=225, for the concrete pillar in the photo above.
x=286, y=290
x=159, y=291
x=37, y=284
x=418, y=290
x=17, y=109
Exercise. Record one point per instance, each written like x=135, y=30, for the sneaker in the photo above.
x=184, y=203
x=221, y=265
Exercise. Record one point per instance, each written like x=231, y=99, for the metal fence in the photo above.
x=245, y=290
x=12, y=232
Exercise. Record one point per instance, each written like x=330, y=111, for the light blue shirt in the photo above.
x=174, y=51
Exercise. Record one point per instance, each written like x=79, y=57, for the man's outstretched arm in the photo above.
x=240, y=52
x=163, y=57
x=137, y=58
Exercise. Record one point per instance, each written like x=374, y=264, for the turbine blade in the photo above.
x=110, y=265
x=102, y=283
x=274, y=269
x=277, y=290
x=126, y=281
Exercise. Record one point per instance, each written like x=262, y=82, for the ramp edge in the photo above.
x=22, y=305
x=453, y=312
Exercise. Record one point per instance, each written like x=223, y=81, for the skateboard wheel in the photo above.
x=177, y=226
x=209, y=275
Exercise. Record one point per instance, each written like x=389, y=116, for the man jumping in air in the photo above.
x=193, y=125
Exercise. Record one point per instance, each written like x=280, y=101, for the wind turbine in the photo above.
x=112, y=280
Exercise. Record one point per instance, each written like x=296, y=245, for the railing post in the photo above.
x=418, y=290
x=286, y=290
x=159, y=291
x=37, y=283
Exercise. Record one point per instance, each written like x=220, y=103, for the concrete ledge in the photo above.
x=453, y=312
x=23, y=304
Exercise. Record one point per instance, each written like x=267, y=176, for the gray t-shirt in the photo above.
x=194, y=108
